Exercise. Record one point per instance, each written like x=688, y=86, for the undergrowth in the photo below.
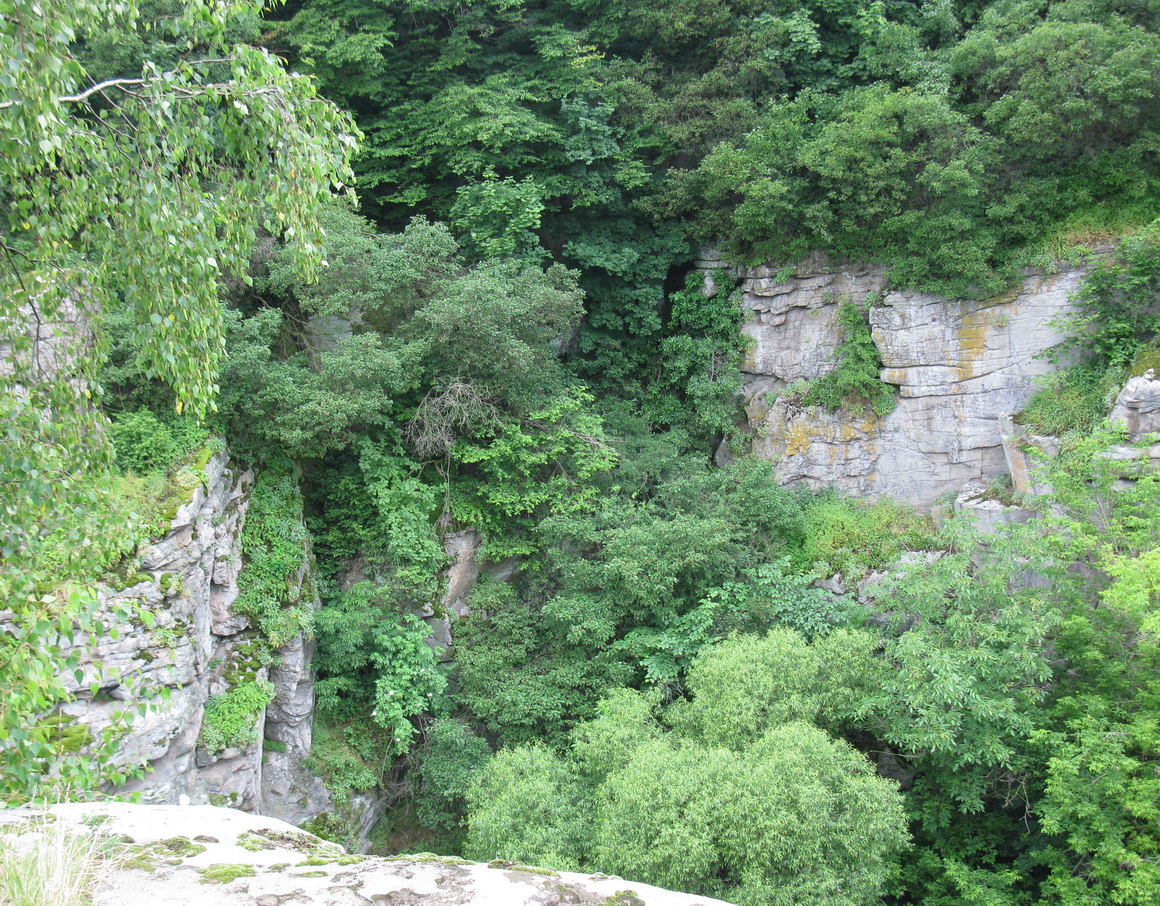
x=274, y=543
x=854, y=538
x=1075, y=399
x=347, y=756
x=58, y=865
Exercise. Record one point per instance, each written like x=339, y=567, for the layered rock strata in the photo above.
x=959, y=365
x=185, y=644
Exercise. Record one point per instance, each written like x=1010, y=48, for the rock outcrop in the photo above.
x=185, y=644
x=959, y=366
x=1137, y=406
x=206, y=856
x=462, y=574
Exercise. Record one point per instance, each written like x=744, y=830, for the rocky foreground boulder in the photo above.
x=165, y=855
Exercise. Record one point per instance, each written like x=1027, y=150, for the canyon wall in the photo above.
x=960, y=366
x=185, y=645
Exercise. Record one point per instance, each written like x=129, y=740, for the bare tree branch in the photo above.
x=122, y=84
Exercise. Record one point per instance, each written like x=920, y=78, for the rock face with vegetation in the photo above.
x=955, y=366
x=205, y=856
x=194, y=660
x=1138, y=405
x=487, y=404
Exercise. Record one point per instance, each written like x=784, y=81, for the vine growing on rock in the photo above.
x=854, y=381
x=273, y=585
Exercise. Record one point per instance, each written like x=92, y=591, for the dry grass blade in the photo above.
x=57, y=864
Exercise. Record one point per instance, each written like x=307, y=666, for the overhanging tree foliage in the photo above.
x=141, y=188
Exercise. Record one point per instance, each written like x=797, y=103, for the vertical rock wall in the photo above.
x=960, y=366
x=186, y=651
x=187, y=642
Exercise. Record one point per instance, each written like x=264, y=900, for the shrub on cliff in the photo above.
x=854, y=381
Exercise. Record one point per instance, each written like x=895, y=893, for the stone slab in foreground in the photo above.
x=207, y=856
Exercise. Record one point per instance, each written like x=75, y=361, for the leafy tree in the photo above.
x=372, y=658
x=789, y=811
x=524, y=807
x=797, y=815
x=138, y=189
x=1117, y=303
x=968, y=675
x=550, y=682
x=743, y=687
x=786, y=189
x=1101, y=748
x=452, y=756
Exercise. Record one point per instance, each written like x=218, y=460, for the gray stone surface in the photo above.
x=791, y=324
x=1138, y=406
x=461, y=575
x=187, y=582
x=287, y=866
x=987, y=514
x=1023, y=454
x=960, y=366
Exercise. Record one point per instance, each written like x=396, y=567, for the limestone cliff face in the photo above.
x=191, y=646
x=188, y=642
x=960, y=366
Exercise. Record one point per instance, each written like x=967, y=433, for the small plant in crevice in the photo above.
x=231, y=719
x=854, y=382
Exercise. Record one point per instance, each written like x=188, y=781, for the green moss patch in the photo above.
x=336, y=859
x=171, y=851
x=624, y=898
x=223, y=873
x=428, y=857
x=306, y=844
x=519, y=866
x=1147, y=359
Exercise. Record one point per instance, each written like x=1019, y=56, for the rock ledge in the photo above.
x=203, y=855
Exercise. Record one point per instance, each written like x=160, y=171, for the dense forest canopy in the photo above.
x=499, y=330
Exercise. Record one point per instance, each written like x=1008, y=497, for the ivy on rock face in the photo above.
x=276, y=550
